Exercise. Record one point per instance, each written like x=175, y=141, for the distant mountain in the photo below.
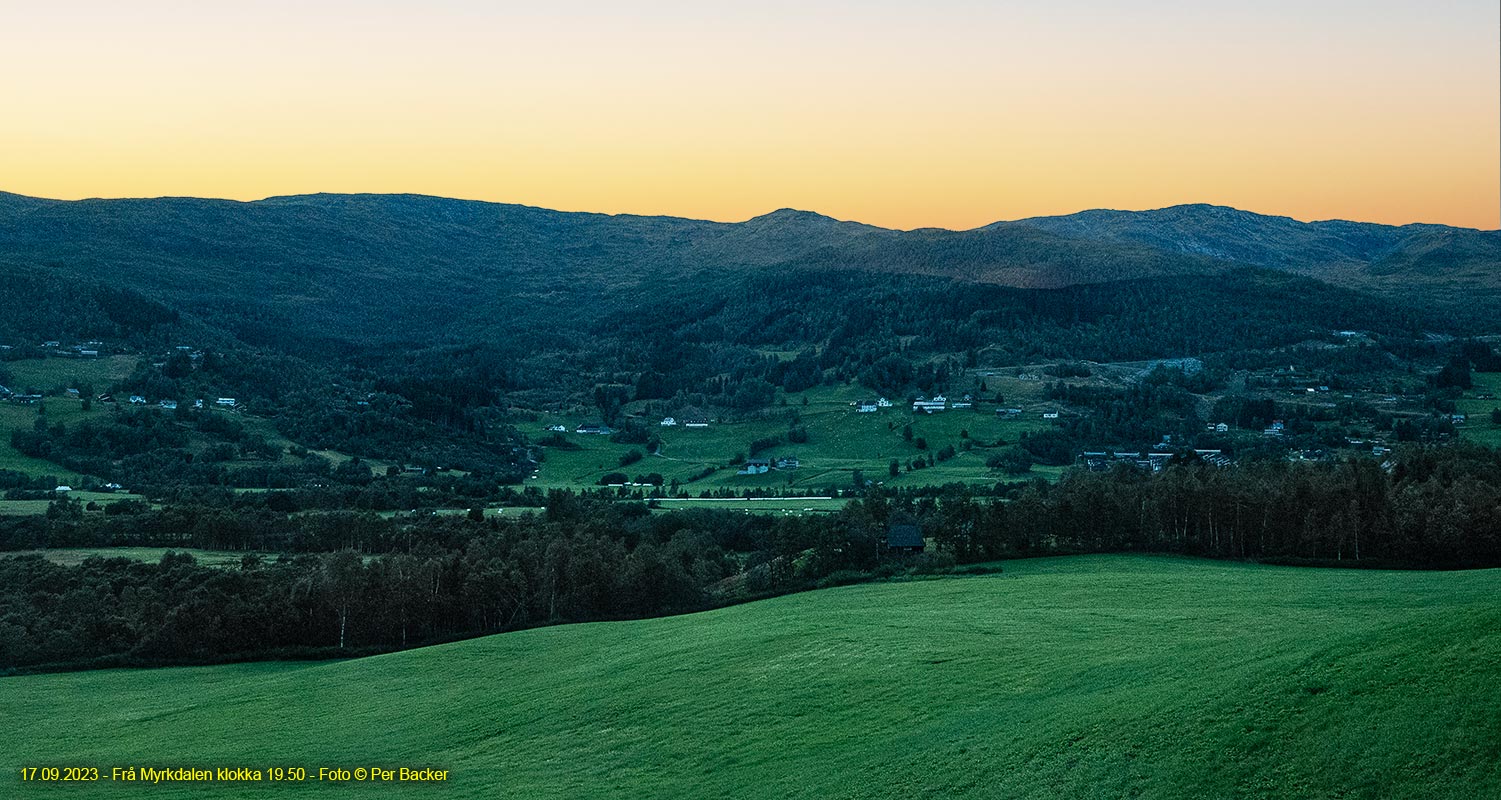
x=409, y=268
x=1449, y=263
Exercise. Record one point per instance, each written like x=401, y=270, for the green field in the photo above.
x=48, y=375
x=72, y=556
x=1479, y=428
x=840, y=442
x=31, y=507
x=58, y=410
x=1086, y=677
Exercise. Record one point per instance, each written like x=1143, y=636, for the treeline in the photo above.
x=443, y=578
x=385, y=583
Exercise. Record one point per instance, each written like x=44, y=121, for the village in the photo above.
x=807, y=440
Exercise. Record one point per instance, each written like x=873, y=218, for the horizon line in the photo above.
x=1017, y=220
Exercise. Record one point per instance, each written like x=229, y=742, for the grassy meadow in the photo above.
x=1478, y=427
x=47, y=375
x=840, y=441
x=1107, y=677
x=101, y=499
x=13, y=417
x=73, y=556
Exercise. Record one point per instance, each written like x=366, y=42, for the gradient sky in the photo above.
x=948, y=113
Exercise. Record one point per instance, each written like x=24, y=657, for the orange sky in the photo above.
x=950, y=113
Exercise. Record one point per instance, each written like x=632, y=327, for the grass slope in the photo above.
x=840, y=442
x=1083, y=677
x=73, y=556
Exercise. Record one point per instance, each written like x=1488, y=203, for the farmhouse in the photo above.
x=866, y=407
x=1050, y=415
x=1214, y=458
x=904, y=539
x=668, y=422
x=695, y=422
x=755, y=466
x=225, y=401
x=1008, y=413
x=787, y=462
x=883, y=402
x=26, y=399
x=170, y=405
x=63, y=489
x=597, y=429
x=72, y=394
x=137, y=400
x=938, y=403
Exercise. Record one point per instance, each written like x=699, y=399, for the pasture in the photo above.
x=840, y=443
x=1102, y=676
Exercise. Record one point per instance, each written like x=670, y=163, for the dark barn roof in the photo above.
x=904, y=536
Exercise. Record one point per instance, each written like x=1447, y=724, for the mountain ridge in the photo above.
x=357, y=264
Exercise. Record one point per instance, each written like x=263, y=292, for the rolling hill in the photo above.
x=406, y=268
x=1107, y=676
x=1437, y=260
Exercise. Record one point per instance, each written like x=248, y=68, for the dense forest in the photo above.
x=354, y=582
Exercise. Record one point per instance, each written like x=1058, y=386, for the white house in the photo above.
x=225, y=401
x=865, y=407
x=883, y=402
x=1050, y=415
x=668, y=422
x=137, y=400
x=938, y=403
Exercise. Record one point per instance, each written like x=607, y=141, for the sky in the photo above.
x=943, y=113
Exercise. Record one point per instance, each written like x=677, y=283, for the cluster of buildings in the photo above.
x=760, y=466
x=920, y=405
x=19, y=399
x=85, y=350
x=228, y=403
x=687, y=422
x=940, y=403
x=1153, y=461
